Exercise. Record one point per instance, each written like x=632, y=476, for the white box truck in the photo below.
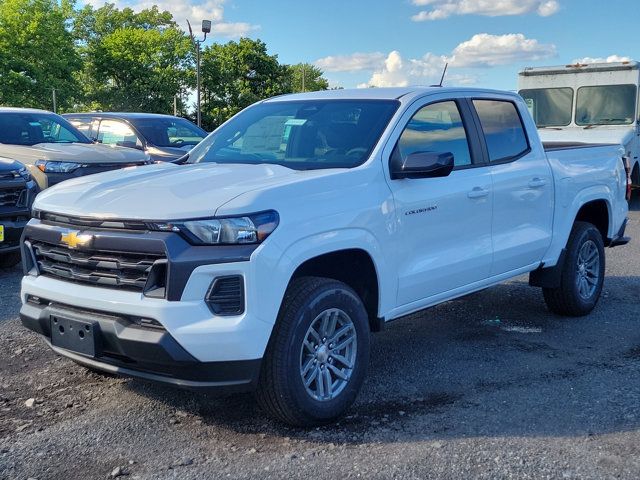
x=586, y=103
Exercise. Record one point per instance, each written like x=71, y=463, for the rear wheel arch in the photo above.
x=597, y=213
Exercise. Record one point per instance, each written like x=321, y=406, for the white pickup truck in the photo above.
x=264, y=259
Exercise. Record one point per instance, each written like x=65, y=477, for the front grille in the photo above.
x=12, y=197
x=123, y=270
x=226, y=295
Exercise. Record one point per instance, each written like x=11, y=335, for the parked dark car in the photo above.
x=162, y=137
x=17, y=192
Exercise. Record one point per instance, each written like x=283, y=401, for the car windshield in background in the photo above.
x=301, y=135
x=606, y=105
x=169, y=132
x=549, y=107
x=25, y=128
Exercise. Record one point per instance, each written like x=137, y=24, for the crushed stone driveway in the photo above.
x=488, y=386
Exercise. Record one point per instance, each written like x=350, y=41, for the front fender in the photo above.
x=318, y=244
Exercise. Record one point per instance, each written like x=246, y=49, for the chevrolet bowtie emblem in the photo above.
x=73, y=239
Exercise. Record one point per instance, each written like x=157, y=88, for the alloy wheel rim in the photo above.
x=328, y=354
x=588, y=269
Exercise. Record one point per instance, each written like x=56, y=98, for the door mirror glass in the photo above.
x=423, y=165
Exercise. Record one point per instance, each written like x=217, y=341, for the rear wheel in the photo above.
x=582, y=273
x=318, y=354
x=8, y=260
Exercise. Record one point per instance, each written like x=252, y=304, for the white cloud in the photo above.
x=482, y=50
x=439, y=9
x=485, y=50
x=351, y=63
x=609, y=59
x=193, y=10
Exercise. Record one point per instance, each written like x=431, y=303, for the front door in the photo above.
x=444, y=224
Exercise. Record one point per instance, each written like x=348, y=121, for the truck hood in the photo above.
x=620, y=135
x=164, y=191
x=88, y=153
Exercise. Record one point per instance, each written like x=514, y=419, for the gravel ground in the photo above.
x=489, y=386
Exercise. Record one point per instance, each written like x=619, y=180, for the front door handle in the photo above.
x=478, y=192
x=537, y=182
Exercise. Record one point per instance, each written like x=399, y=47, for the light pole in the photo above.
x=206, y=28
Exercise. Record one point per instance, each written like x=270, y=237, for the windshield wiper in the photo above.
x=550, y=127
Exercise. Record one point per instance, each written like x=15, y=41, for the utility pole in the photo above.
x=206, y=28
x=175, y=105
x=303, y=89
x=55, y=106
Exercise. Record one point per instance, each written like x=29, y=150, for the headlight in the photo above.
x=248, y=229
x=56, y=167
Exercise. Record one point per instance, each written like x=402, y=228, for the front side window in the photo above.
x=436, y=128
x=503, y=130
x=606, y=105
x=25, y=128
x=549, y=107
x=302, y=135
x=114, y=132
x=169, y=132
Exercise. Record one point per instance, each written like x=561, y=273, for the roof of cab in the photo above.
x=386, y=93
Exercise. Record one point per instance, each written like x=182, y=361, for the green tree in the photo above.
x=237, y=74
x=37, y=53
x=305, y=77
x=133, y=61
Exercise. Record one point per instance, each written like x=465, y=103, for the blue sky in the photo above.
x=399, y=42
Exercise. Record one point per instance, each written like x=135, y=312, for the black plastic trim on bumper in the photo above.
x=126, y=348
x=182, y=257
x=620, y=239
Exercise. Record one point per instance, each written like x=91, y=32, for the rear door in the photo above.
x=523, y=192
x=443, y=230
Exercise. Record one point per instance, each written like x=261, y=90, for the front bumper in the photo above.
x=125, y=346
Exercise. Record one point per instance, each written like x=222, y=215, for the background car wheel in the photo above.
x=8, y=260
x=582, y=273
x=318, y=354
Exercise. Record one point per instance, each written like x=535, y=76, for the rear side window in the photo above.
x=502, y=128
x=436, y=128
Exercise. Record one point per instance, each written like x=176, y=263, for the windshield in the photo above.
x=606, y=105
x=27, y=128
x=169, y=132
x=302, y=135
x=549, y=107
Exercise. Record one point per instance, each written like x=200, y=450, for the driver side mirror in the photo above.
x=422, y=165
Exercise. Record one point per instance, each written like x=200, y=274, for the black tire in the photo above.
x=281, y=391
x=567, y=299
x=8, y=260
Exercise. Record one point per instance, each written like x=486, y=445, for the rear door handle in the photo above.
x=537, y=182
x=478, y=192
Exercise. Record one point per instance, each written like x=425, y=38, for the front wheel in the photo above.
x=582, y=273
x=318, y=354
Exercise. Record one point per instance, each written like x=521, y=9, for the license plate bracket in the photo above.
x=72, y=334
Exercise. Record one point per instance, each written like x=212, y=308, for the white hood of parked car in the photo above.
x=88, y=153
x=164, y=191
